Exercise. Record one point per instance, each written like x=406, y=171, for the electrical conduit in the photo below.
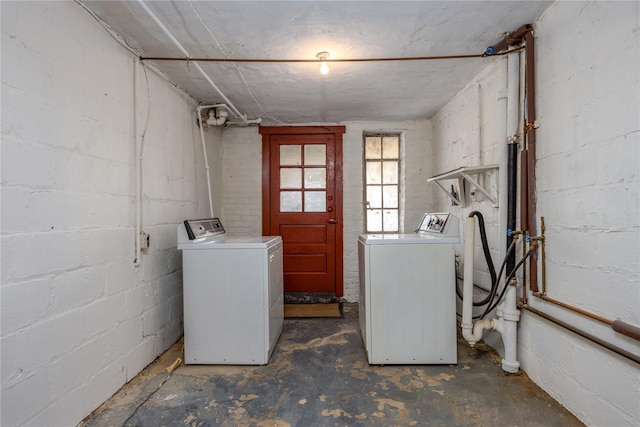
x=138, y=167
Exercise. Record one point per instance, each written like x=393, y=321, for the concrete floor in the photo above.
x=318, y=375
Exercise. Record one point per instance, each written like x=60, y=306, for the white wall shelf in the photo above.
x=470, y=174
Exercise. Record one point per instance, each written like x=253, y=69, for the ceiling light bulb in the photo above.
x=324, y=67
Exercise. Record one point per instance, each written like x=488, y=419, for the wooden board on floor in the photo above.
x=313, y=310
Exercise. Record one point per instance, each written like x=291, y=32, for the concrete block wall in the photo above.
x=241, y=202
x=588, y=181
x=465, y=133
x=588, y=62
x=78, y=318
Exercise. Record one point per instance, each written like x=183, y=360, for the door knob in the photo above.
x=332, y=221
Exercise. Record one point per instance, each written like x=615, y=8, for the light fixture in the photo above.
x=324, y=67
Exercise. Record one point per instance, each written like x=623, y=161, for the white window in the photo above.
x=382, y=182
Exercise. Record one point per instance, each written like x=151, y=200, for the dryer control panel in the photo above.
x=198, y=228
x=439, y=223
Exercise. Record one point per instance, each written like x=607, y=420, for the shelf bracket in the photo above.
x=468, y=173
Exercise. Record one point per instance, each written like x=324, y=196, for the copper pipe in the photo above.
x=531, y=152
x=528, y=155
x=611, y=347
x=258, y=60
x=617, y=325
x=626, y=329
x=524, y=217
x=513, y=38
x=420, y=58
x=543, y=267
x=574, y=309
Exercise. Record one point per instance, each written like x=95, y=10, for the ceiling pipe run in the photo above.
x=512, y=39
x=216, y=116
x=328, y=61
x=236, y=113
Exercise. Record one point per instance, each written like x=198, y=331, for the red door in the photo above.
x=302, y=202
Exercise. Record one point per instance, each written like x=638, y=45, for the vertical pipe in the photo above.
x=513, y=103
x=511, y=315
x=512, y=199
x=542, y=254
x=531, y=153
x=480, y=128
x=467, y=287
x=523, y=170
x=503, y=151
x=138, y=167
x=524, y=213
x=206, y=160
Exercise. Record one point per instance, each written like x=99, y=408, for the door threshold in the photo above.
x=310, y=298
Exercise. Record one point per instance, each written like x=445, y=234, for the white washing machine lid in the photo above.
x=407, y=239
x=231, y=242
x=207, y=234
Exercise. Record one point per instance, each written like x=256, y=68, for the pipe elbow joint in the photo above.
x=474, y=334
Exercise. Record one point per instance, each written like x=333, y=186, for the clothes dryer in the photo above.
x=233, y=294
x=407, y=303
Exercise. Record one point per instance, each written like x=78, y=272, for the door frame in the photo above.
x=337, y=131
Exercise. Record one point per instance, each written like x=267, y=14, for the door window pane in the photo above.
x=291, y=201
x=315, y=178
x=315, y=154
x=315, y=201
x=290, y=178
x=290, y=155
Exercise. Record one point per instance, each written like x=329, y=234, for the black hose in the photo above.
x=495, y=278
x=492, y=290
x=487, y=257
x=492, y=306
x=507, y=257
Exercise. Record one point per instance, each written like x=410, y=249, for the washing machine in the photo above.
x=232, y=292
x=407, y=303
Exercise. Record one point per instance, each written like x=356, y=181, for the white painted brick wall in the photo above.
x=588, y=181
x=242, y=184
x=79, y=319
x=417, y=168
x=588, y=156
x=241, y=203
x=460, y=139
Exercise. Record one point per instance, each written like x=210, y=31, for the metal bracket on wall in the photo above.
x=468, y=173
